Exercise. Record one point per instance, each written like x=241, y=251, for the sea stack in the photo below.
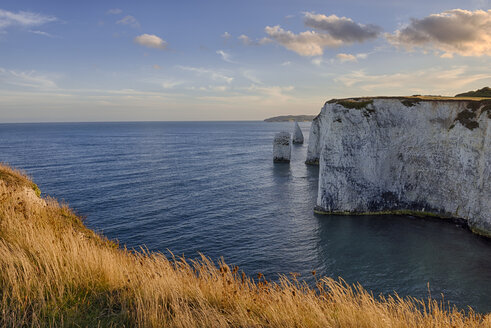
x=297, y=135
x=282, y=148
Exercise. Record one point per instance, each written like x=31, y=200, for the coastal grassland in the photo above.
x=56, y=272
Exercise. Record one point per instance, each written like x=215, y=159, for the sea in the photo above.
x=211, y=188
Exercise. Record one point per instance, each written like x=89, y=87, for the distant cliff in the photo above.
x=414, y=155
x=291, y=118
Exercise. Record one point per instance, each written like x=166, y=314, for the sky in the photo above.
x=83, y=61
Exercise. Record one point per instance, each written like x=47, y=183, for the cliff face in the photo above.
x=405, y=155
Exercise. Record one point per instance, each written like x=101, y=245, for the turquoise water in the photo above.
x=212, y=187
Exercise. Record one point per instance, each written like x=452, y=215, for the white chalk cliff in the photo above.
x=405, y=156
x=297, y=134
x=282, y=148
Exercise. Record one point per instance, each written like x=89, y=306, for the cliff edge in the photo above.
x=405, y=155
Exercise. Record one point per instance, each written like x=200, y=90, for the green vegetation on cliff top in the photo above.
x=484, y=92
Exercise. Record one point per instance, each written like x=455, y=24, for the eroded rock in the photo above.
x=282, y=147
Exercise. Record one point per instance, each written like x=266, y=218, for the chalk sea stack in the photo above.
x=282, y=147
x=427, y=156
x=297, y=134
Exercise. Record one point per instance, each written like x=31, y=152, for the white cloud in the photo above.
x=286, y=63
x=226, y=35
x=245, y=39
x=171, y=84
x=249, y=42
x=150, y=41
x=23, y=19
x=457, y=31
x=212, y=74
x=346, y=57
x=225, y=56
x=30, y=79
x=129, y=20
x=318, y=61
x=278, y=93
x=42, y=33
x=114, y=11
x=251, y=76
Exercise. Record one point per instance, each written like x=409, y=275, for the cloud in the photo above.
x=150, y=41
x=251, y=76
x=329, y=31
x=342, y=28
x=42, y=33
x=279, y=93
x=245, y=39
x=30, y=79
x=129, y=20
x=156, y=66
x=226, y=35
x=433, y=80
x=249, y=42
x=114, y=11
x=457, y=31
x=23, y=19
x=171, y=84
x=212, y=74
x=346, y=57
x=286, y=63
x=309, y=43
x=225, y=56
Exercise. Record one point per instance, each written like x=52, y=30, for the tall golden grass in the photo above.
x=56, y=272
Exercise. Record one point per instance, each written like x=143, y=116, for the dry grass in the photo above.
x=56, y=272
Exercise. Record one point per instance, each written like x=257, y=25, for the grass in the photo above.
x=354, y=104
x=55, y=272
x=484, y=92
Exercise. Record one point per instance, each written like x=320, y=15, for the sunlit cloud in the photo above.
x=150, y=41
x=247, y=41
x=226, y=35
x=309, y=43
x=346, y=57
x=457, y=31
x=342, y=28
x=329, y=31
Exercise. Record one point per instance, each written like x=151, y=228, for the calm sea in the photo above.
x=211, y=187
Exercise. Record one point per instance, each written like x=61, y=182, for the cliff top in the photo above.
x=416, y=98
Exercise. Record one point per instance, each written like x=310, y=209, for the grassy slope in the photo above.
x=484, y=92
x=56, y=272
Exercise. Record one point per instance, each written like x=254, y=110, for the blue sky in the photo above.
x=231, y=60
